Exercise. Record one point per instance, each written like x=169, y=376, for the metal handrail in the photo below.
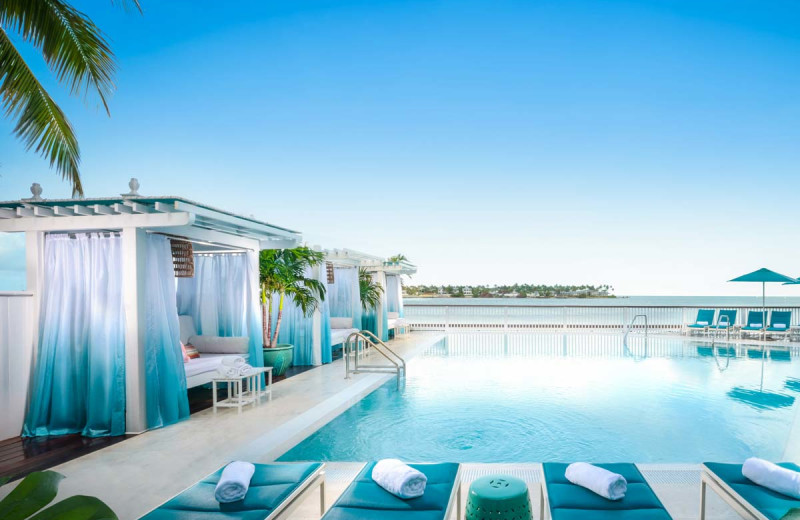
x=633, y=321
x=399, y=363
x=716, y=328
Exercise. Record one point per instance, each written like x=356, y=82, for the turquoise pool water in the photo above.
x=545, y=397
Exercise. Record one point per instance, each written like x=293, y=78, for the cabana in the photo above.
x=344, y=292
x=101, y=307
x=394, y=271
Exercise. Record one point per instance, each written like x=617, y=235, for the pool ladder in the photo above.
x=357, y=343
x=633, y=321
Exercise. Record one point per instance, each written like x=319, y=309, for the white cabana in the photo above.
x=109, y=261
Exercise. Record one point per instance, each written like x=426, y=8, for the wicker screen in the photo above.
x=182, y=258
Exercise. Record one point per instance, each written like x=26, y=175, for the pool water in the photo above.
x=485, y=397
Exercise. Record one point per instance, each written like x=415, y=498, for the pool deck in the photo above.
x=136, y=475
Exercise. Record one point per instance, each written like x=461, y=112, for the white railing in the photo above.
x=554, y=317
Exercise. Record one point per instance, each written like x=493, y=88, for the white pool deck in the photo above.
x=136, y=475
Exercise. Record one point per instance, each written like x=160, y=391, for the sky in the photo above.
x=649, y=145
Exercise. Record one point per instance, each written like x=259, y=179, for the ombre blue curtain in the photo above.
x=223, y=299
x=369, y=318
x=79, y=380
x=298, y=329
x=165, y=376
x=394, y=294
x=345, y=296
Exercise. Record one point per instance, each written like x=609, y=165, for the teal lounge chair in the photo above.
x=756, y=320
x=564, y=500
x=705, y=317
x=745, y=496
x=275, y=492
x=364, y=499
x=725, y=320
x=779, y=323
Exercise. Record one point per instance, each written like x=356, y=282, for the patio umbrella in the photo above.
x=764, y=276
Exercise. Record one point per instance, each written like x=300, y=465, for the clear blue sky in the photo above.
x=652, y=145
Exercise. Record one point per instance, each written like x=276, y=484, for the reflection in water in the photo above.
x=522, y=397
x=761, y=399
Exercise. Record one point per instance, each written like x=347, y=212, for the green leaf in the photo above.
x=79, y=507
x=34, y=492
x=793, y=514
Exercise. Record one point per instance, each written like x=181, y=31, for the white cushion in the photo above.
x=702, y=323
x=187, y=328
x=220, y=345
x=392, y=315
x=341, y=323
x=339, y=335
x=779, y=326
x=757, y=325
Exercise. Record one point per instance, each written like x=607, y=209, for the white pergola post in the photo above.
x=34, y=272
x=380, y=277
x=133, y=272
x=316, y=353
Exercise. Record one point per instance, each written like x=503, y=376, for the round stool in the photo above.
x=498, y=497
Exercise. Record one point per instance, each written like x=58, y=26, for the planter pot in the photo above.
x=279, y=358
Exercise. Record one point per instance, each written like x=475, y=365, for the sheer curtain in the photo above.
x=165, y=376
x=298, y=330
x=372, y=317
x=394, y=294
x=223, y=300
x=79, y=379
x=345, y=296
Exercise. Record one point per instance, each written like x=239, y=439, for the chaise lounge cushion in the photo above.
x=364, y=499
x=220, y=345
x=341, y=323
x=568, y=501
x=769, y=503
x=270, y=486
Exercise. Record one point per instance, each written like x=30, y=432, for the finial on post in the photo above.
x=133, y=184
x=36, y=191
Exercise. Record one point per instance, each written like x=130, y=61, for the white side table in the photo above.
x=254, y=383
x=238, y=394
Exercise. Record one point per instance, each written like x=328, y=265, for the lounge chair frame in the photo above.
x=291, y=503
x=726, y=493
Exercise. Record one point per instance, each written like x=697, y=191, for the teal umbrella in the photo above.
x=764, y=276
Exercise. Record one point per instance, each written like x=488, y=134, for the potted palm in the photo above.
x=282, y=273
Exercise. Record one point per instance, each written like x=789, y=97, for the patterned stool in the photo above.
x=498, y=497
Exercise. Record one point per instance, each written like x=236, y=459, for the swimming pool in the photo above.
x=486, y=397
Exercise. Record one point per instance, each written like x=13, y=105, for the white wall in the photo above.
x=16, y=359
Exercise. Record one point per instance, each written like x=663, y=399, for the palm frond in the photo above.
x=369, y=289
x=126, y=4
x=72, y=45
x=41, y=125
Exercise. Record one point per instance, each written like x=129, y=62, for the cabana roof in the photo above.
x=352, y=258
x=401, y=267
x=165, y=214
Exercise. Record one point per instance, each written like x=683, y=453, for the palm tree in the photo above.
x=369, y=288
x=396, y=259
x=283, y=272
x=79, y=56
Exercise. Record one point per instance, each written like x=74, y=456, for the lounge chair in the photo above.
x=756, y=320
x=779, y=323
x=364, y=499
x=705, y=317
x=749, y=499
x=563, y=500
x=726, y=320
x=275, y=492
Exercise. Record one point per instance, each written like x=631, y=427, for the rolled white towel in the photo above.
x=603, y=482
x=234, y=481
x=227, y=372
x=244, y=369
x=399, y=479
x=233, y=361
x=772, y=476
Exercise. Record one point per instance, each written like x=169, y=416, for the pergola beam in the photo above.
x=81, y=223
